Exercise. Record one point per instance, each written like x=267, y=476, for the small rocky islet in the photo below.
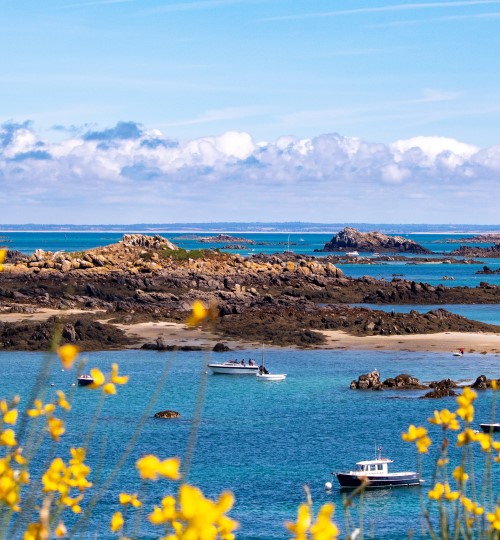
x=283, y=299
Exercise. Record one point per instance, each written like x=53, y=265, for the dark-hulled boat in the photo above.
x=85, y=380
x=489, y=428
x=376, y=474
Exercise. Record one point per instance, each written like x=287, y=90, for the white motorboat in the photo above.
x=352, y=254
x=233, y=367
x=375, y=473
x=271, y=376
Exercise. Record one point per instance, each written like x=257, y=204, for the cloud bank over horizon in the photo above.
x=126, y=174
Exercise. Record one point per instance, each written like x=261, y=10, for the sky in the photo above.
x=156, y=111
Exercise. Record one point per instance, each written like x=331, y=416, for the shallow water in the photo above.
x=264, y=441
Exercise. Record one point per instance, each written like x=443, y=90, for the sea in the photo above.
x=264, y=441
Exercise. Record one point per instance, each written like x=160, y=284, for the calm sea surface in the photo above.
x=264, y=441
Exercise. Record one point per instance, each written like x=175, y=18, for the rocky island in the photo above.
x=108, y=297
x=349, y=239
x=483, y=252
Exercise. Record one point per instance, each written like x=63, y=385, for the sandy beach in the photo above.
x=179, y=334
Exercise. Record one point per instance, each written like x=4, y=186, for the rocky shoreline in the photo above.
x=284, y=300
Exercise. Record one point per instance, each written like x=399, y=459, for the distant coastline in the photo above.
x=251, y=228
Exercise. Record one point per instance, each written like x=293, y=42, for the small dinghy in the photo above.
x=271, y=376
x=264, y=375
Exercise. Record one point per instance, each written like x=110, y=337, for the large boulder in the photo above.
x=367, y=381
x=351, y=239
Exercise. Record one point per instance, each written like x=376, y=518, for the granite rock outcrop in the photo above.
x=349, y=239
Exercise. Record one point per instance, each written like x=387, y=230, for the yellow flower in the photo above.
x=8, y=438
x=127, y=498
x=10, y=417
x=466, y=437
x=72, y=502
x=60, y=530
x=494, y=385
x=10, y=484
x=423, y=444
x=472, y=507
x=437, y=492
x=301, y=526
x=494, y=519
x=414, y=433
x=202, y=518
x=40, y=409
x=55, y=427
x=98, y=377
x=117, y=522
x=108, y=386
x=36, y=531
x=441, y=462
x=460, y=475
x=446, y=419
x=109, y=389
x=3, y=253
x=67, y=355
x=62, y=401
x=450, y=495
x=198, y=314
x=466, y=409
x=167, y=513
x=115, y=378
x=150, y=467
x=324, y=528
x=485, y=440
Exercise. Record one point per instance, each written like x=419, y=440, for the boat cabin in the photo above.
x=376, y=466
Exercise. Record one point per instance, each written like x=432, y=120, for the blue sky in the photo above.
x=242, y=95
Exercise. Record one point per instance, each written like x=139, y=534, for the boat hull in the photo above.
x=85, y=381
x=271, y=376
x=487, y=428
x=224, y=369
x=352, y=481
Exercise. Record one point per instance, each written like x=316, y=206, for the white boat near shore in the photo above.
x=233, y=367
x=271, y=376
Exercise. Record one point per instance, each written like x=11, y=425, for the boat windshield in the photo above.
x=360, y=468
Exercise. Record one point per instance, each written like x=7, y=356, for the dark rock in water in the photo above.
x=368, y=381
x=481, y=383
x=488, y=270
x=220, y=347
x=167, y=414
x=439, y=392
x=351, y=239
x=371, y=381
x=445, y=383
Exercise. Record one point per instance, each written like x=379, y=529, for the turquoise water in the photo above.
x=264, y=441
x=464, y=275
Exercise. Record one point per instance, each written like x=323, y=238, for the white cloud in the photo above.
x=126, y=173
